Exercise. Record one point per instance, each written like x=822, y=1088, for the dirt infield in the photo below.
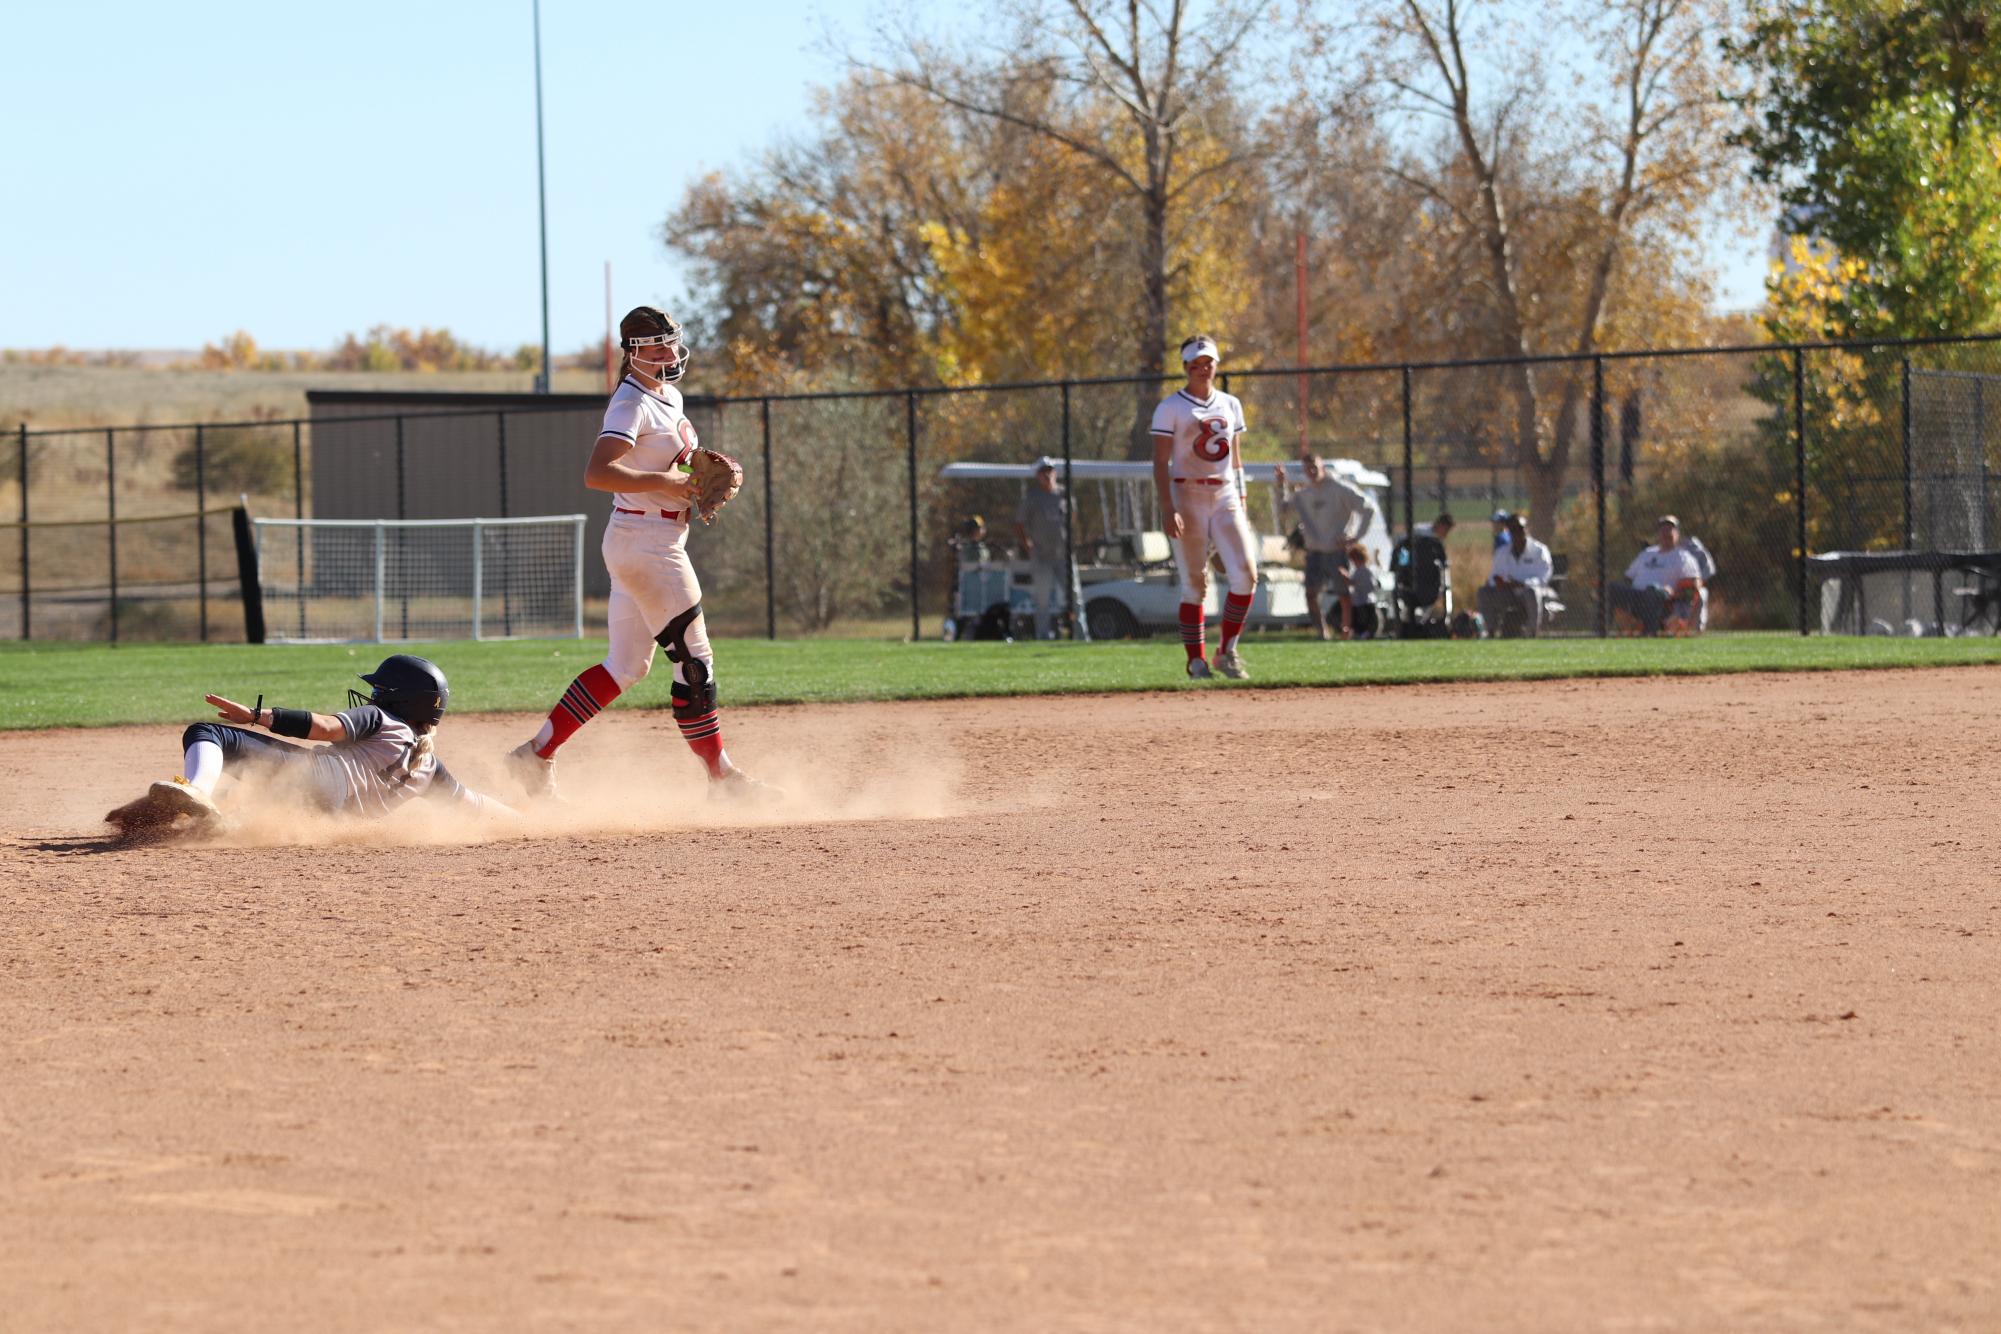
x=1630, y=1005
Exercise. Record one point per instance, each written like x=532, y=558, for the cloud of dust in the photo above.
x=627, y=779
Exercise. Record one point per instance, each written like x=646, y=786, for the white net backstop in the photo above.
x=354, y=580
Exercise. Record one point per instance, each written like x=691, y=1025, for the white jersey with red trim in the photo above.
x=1201, y=430
x=662, y=437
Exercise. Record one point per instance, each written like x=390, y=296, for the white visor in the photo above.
x=1201, y=347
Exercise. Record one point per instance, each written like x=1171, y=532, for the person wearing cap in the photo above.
x=1331, y=514
x=1515, y=590
x=1656, y=577
x=1041, y=521
x=1198, y=469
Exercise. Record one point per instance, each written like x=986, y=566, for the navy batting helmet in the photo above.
x=411, y=688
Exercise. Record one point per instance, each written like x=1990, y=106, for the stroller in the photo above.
x=1421, y=588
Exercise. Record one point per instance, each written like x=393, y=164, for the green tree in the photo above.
x=1879, y=121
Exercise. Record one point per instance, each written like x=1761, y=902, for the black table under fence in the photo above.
x=1886, y=591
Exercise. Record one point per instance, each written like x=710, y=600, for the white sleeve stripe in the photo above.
x=1169, y=434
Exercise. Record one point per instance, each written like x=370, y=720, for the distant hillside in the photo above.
x=57, y=397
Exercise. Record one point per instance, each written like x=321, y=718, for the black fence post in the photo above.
x=399, y=468
x=505, y=536
x=111, y=513
x=770, y=522
x=1598, y=476
x=1409, y=468
x=27, y=604
x=402, y=534
x=1073, y=594
x=1980, y=447
x=299, y=512
x=1799, y=480
x=910, y=431
x=1910, y=531
x=201, y=527
x=500, y=456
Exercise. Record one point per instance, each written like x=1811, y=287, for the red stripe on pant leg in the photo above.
x=1194, y=629
x=584, y=700
x=1236, y=610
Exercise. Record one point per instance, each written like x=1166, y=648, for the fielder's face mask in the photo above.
x=663, y=356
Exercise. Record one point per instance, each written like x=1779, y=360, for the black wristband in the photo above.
x=292, y=722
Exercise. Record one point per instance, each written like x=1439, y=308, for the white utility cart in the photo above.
x=1125, y=576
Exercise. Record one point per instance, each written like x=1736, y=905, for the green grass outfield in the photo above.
x=97, y=685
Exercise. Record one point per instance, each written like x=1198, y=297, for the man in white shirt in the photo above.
x=1655, y=577
x=1515, y=590
x=1331, y=515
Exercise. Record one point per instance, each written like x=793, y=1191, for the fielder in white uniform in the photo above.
x=656, y=601
x=1198, y=468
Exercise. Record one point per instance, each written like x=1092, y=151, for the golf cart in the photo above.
x=1124, y=575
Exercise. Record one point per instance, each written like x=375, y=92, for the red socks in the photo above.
x=584, y=700
x=704, y=736
x=591, y=693
x=1194, y=630
x=1236, y=610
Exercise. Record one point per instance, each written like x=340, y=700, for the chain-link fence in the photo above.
x=845, y=524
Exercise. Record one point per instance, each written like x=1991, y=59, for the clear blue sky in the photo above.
x=175, y=173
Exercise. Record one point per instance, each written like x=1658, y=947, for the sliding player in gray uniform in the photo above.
x=381, y=757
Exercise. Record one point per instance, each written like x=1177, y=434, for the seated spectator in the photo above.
x=1656, y=576
x=1362, y=586
x=1422, y=568
x=970, y=541
x=1512, y=596
x=1706, y=566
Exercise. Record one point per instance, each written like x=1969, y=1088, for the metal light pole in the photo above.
x=541, y=203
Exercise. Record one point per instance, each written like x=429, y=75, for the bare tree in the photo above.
x=1550, y=196
x=1126, y=87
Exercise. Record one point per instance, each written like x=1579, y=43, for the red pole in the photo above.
x=1299, y=286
